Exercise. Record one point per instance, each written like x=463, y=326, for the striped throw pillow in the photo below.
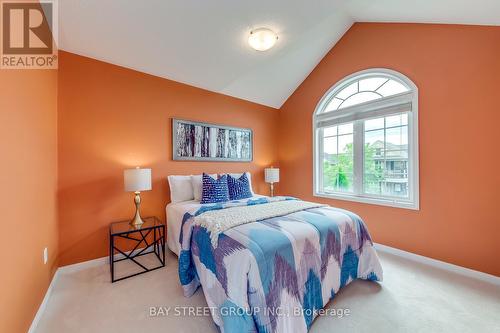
x=239, y=188
x=214, y=190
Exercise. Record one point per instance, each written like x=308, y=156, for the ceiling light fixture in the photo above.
x=262, y=39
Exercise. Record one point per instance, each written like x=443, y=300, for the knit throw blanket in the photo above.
x=218, y=221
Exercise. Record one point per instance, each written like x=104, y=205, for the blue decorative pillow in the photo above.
x=214, y=190
x=239, y=188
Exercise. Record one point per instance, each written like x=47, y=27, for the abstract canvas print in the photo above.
x=209, y=142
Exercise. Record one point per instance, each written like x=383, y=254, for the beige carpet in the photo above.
x=412, y=298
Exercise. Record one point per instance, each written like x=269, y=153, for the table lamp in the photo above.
x=272, y=175
x=137, y=180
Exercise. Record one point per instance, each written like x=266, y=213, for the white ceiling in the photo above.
x=204, y=43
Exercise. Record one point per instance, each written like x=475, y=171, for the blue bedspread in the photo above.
x=274, y=275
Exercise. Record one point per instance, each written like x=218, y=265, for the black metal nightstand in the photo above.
x=151, y=234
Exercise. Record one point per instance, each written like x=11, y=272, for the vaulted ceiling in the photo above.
x=204, y=43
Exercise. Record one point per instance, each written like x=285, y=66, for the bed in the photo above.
x=268, y=264
x=175, y=212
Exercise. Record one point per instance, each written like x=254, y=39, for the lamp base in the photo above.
x=137, y=220
x=272, y=189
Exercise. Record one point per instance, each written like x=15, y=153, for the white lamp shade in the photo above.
x=272, y=175
x=137, y=180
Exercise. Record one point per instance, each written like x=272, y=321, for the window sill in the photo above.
x=373, y=201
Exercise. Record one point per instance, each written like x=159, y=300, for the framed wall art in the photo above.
x=195, y=141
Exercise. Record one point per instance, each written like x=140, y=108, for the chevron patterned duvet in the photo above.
x=274, y=275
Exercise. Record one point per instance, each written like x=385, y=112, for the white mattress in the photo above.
x=175, y=213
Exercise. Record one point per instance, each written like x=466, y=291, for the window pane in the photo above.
x=345, y=129
x=395, y=182
x=371, y=84
x=330, y=145
x=404, y=119
x=396, y=137
x=329, y=131
x=375, y=138
x=391, y=88
x=372, y=124
x=403, y=153
x=386, y=157
x=345, y=144
x=348, y=91
x=397, y=120
x=333, y=105
x=393, y=120
x=373, y=171
x=338, y=161
x=359, y=98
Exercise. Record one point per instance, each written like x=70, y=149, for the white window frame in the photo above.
x=404, y=100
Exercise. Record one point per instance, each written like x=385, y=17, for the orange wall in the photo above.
x=457, y=71
x=112, y=118
x=28, y=178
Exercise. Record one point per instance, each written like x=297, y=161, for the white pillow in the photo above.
x=197, y=185
x=180, y=188
x=249, y=176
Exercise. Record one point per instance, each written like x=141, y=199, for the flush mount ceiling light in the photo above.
x=262, y=39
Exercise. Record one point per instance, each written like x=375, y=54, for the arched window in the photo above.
x=366, y=140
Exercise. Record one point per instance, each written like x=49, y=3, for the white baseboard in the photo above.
x=439, y=264
x=92, y=263
x=84, y=265
x=66, y=269
x=43, y=305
